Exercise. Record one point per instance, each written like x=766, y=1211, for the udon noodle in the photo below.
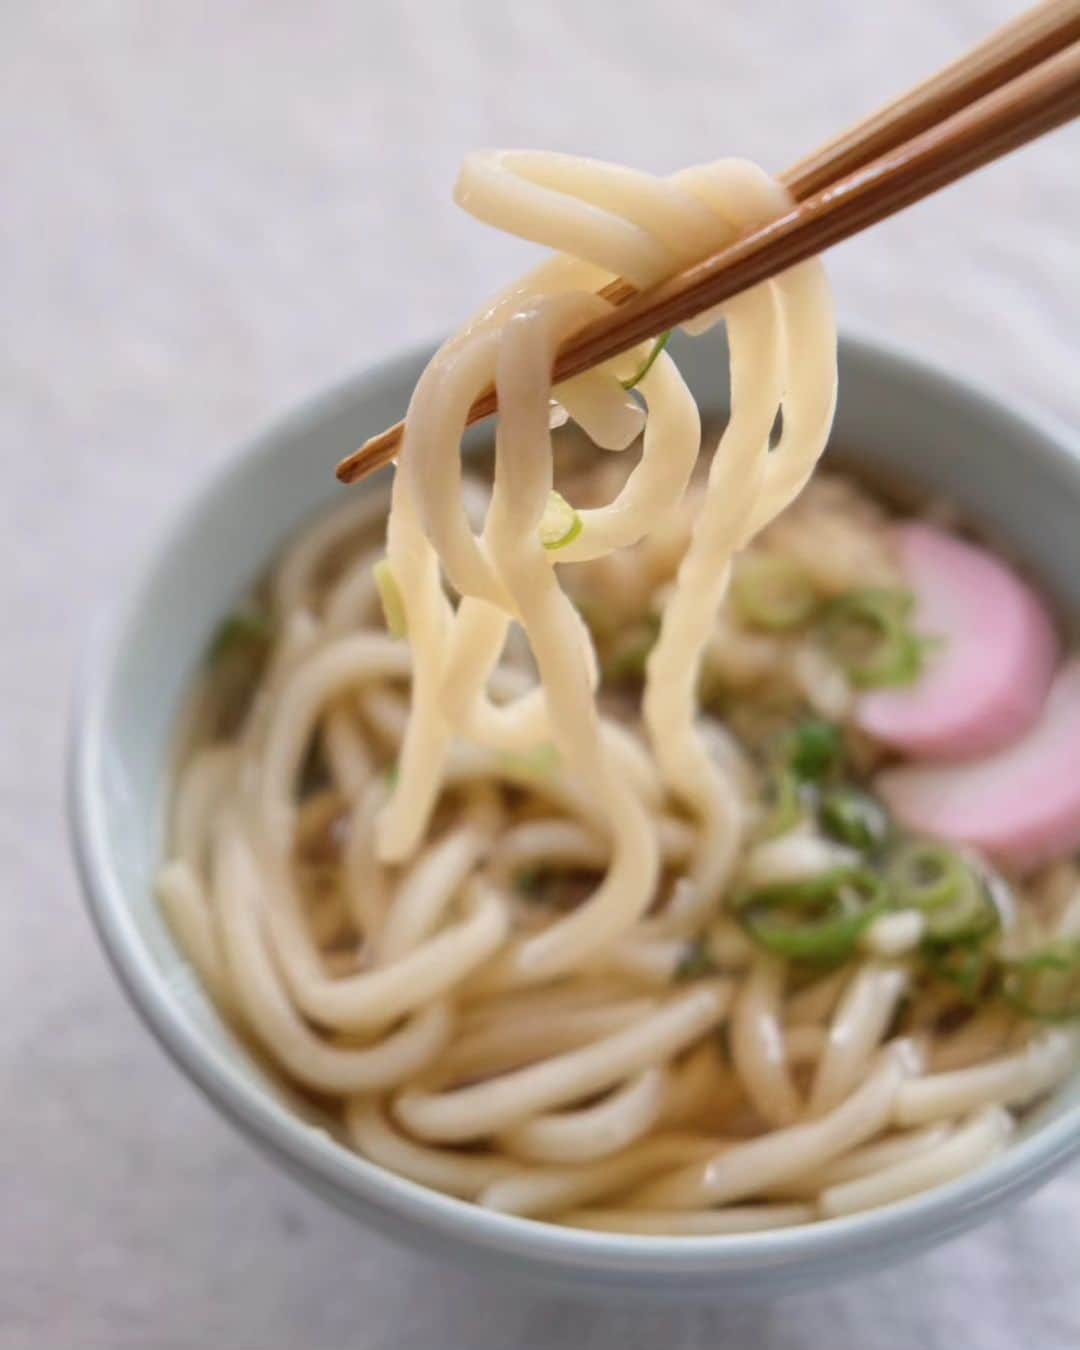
x=466, y=885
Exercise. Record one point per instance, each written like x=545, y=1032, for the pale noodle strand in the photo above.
x=201, y=788
x=351, y=762
x=501, y=1045
x=592, y=1131
x=758, y=1046
x=473, y=1112
x=456, y=1172
x=540, y=1191
x=184, y=904
x=1012, y=1080
x=269, y=1010
x=374, y=998
x=862, y=1162
x=425, y=894
x=861, y=1020
x=970, y=1146
x=748, y=1169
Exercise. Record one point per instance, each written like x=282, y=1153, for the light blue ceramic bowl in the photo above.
x=896, y=417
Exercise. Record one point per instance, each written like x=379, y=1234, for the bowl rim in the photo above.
x=334, y=1170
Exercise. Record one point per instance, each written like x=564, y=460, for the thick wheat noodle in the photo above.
x=200, y=789
x=528, y=1006
x=758, y=1047
x=894, y=935
x=594, y=1131
x=862, y=1162
x=749, y=1168
x=351, y=604
x=367, y=888
x=294, y=579
x=795, y=856
x=547, y=1190
x=452, y=1170
x=472, y=1112
x=555, y=630
x=269, y=1010
x=350, y=761
x=180, y=894
x=859, y=1023
x=1011, y=1080
x=559, y=843
x=501, y=1046
x=971, y=1145
x=385, y=714
x=334, y=668
x=425, y=894
x=376, y=997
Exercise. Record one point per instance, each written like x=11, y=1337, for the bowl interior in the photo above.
x=897, y=420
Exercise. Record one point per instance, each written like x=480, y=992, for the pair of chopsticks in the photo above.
x=1019, y=83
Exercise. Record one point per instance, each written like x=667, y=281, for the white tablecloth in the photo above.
x=208, y=211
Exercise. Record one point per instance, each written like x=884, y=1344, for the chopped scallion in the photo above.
x=393, y=605
x=936, y=880
x=772, y=592
x=867, y=632
x=852, y=817
x=560, y=524
x=657, y=347
x=816, y=920
x=969, y=967
x=812, y=749
x=1045, y=984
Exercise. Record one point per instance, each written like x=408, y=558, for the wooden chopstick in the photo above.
x=1009, y=51
x=1044, y=96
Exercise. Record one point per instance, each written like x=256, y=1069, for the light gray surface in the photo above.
x=207, y=213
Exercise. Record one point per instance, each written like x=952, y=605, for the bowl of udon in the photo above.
x=652, y=871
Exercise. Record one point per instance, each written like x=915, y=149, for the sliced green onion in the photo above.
x=812, y=749
x=969, y=967
x=628, y=659
x=867, y=633
x=772, y=592
x=784, y=803
x=560, y=524
x=657, y=347
x=393, y=606
x=854, y=818
x=694, y=962
x=936, y=880
x=1045, y=984
x=816, y=920
x=244, y=630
